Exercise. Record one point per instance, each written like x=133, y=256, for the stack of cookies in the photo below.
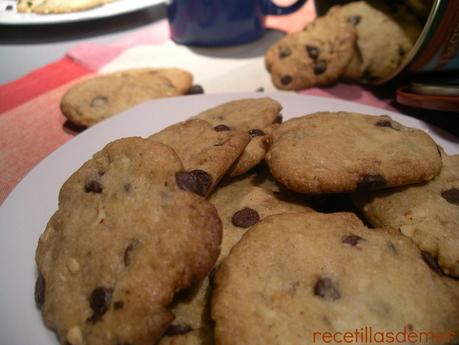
x=218, y=230
x=364, y=41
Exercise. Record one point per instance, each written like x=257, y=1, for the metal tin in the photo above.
x=437, y=47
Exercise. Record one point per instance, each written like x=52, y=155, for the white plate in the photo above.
x=25, y=213
x=12, y=17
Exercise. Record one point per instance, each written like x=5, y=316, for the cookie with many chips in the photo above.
x=123, y=242
x=340, y=152
x=295, y=277
x=427, y=213
x=316, y=56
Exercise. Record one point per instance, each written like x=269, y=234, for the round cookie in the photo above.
x=240, y=203
x=97, y=98
x=296, y=276
x=124, y=240
x=386, y=33
x=205, y=152
x=427, y=213
x=342, y=152
x=57, y=6
x=250, y=115
x=315, y=56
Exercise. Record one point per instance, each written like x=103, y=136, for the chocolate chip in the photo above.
x=40, y=290
x=196, y=90
x=284, y=52
x=118, y=305
x=245, y=218
x=431, y=262
x=353, y=240
x=256, y=133
x=286, y=79
x=260, y=89
x=451, y=195
x=278, y=119
x=370, y=182
x=327, y=289
x=320, y=67
x=385, y=123
x=99, y=101
x=313, y=51
x=127, y=187
x=221, y=128
x=178, y=329
x=128, y=251
x=93, y=187
x=401, y=51
x=99, y=302
x=354, y=20
x=196, y=181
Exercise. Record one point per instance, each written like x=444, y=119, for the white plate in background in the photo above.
x=11, y=17
x=24, y=214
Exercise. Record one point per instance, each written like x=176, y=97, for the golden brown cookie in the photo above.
x=427, y=213
x=58, y=6
x=123, y=242
x=386, y=33
x=100, y=97
x=342, y=152
x=316, y=56
x=251, y=115
x=299, y=275
x=240, y=203
x=205, y=152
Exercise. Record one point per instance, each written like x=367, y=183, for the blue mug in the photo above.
x=221, y=22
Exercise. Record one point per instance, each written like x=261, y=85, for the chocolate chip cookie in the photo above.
x=124, y=240
x=293, y=277
x=427, y=213
x=240, y=203
x=386, y=33
x=98, y=98
x=58, y=6
x=206, y=152
x=338, y=152
x=316, y=56
x=250, y=115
